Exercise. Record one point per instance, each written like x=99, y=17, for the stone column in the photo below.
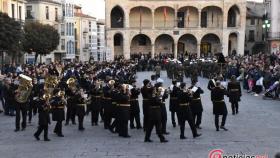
x=199, y=18
x=153, y=19
x=175, y=51
x=126, y=48
x=126, y=22
x=198, y=50
x=153, y=50
x=175, y=18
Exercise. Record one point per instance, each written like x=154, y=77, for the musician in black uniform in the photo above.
x=123, y=111
x=234, y=94
x=219, y=105
x=173, y=102
x=146, y=91
x=212, y=83
x=95, y=106
x=195, y=104
x=81, y=100
x=34, y=97
x=115, y=100
x=43, y=106
x=163, y=97
x=71, y=107
x=134, y=107
x=107, y=103
x=184, y=111
x=58, y=104
x=154, y=115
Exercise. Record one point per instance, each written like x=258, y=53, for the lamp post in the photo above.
x=266, y=26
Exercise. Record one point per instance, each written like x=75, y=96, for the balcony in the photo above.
x=274, y=35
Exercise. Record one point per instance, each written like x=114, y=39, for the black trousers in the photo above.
x=81, y=121
x=223, y=120
x=173, y=117
x=135, y=116
x=123, y=127
x=42, y=128
x=234, y=107
x=164, y=120
x=94, y=116
x=58, y=127
x=197, y=118
x=183, y=124
x=32, y=110
x=70, y=114
x=108, y=114
x=150, y=126
x=145, y=116
x=21, y=108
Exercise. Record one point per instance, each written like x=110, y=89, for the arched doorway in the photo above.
x=140, y=44
x=164, y=45
x=210, y=45
x=164, y=17
x=232, y=44
x=187, y=45
x=118, y=45
x=233, y=17
x=187, y=17
x=211, y=16
x=117, y=17
x=140, y=17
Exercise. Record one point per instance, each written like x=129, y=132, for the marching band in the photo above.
x=110, y=93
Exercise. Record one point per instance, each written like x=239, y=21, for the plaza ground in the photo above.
x=255, y=130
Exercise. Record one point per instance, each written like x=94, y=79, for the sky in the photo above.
x=96, y=8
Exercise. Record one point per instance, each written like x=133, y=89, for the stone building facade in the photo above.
x=175, y=27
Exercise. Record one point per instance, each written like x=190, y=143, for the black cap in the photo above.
x=146, y=81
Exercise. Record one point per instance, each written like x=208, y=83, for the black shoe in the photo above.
x=66, y=124
x=174, y=125
x=60, y=135
x=148, y=140
x=132, y=127
x=1, y=111
x=233, y=113
x=236, y=112
x=23, y=129
x=126, y=136
x=139, y=127
x=163, y=141
x=183, y=137
x=81, y=129
x=47, y=139
x=198, y=127
x=112, y=130
x=165, y=133
x=196, y=135
x=16, y=130
x=74, y=123
x=217, y=129
x=222, y=127
x=37, y=137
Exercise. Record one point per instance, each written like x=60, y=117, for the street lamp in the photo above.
x=266, y=26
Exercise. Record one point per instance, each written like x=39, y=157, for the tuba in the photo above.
x=50, y=83
x=71, y=82
x=24, y=90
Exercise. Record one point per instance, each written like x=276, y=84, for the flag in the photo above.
x=140, y=10
x=165, y=15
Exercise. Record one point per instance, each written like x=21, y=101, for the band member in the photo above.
x=107, y=101
x=96, y=102
x=115, y=94
x=58, y=104
x=134, y=108
x=146, y=90
x=195, y=104
x=34, y=98
x=124, y=111
x=234, y=93
x=219, y=105
x=154, y=115
x=81, y=99
x=173, y=102
x=43, y=106
x=163, y=96
x=184, y=111
x=212, y=83
x=71, y=91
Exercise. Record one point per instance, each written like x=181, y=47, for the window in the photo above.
x=47, y=12
x=19, y=12
x=252, y=21
x=62, y=44
x=62, y=29
x=29, y=12
x=89, y=39
x=251, y=35
x=89, y=26
x=204, y=19
x=13, y=11
x=56, y=14
x=63, y=10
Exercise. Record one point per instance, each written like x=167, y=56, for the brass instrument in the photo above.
x=50, y=83
x=71, y=82
x=24, y=90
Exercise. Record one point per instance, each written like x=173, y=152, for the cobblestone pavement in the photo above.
x=255, y=130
